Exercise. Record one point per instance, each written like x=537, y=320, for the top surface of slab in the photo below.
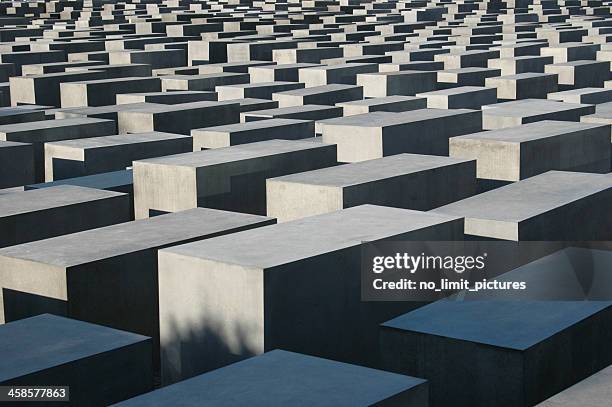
x=529, y=197
x=129, y=237
x=530, y=131
x=47, y=198
x=508, y=324
x=257, y=124
x=116, y=140
x=105, y=180
x=234, y=153
x=308, y=237
x=529, y=107
x=45, y=341
x=280, y=378
x=371, y=170
x=158, y=108
x=382, y=119
x=47, y=124
x=380, y=100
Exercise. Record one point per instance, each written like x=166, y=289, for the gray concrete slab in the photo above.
x=88, y=156
x=250, y=132
x=516, y=153
x=40, y=214
x=106, y=275
x=280, y=378
x=550, y=206
x=231, y=178
x=389, y=181
x=40, y=132
x=515, y=113
x=463, y=97
x=383, y=104
x=179, y=118
x=379, y=134
x=510, y=360
x=319, y=95
x=167, y=98
x=226, y=304
x=63, y=349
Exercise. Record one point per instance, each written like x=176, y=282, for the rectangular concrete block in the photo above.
x=179, y=118
x=407, y=83
x=167, y=98
x=99, y=364
x=280, y=378
x=383, y=104
x=465, y=76
x=40, y=132
x=389, y=181
x=463, y=97
x=379, y=134
x=328, y=74
x=41, y=214
x=524, y=85
x=580, y=74
x=206, y=82
x=280, y=72
x=260, y=90
x=516, y=153
x=45, y=89
x=515, y=113
x=103, y=92
x=586, y=95
x=250, y=132
x=554, y=206
x=234, y=304
x=318, y=95
x=307, y=112
x=231, y=178
x=107, y=275
x=88, y=156
x=528, y=351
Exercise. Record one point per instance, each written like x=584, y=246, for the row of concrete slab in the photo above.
x=188, y=188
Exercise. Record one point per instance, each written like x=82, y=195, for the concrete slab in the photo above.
x=389, y=181
x=107, y=275
x=234, y=304
x=280, y=378
x=88, y=156
x=379, y=134
x=40, y=132
x=515, y=113
x=249, y=132
x=34, y=215
x=550, y=206
x=511, y=359
x=231, y=178
x=516, y=153
x=63, y=349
